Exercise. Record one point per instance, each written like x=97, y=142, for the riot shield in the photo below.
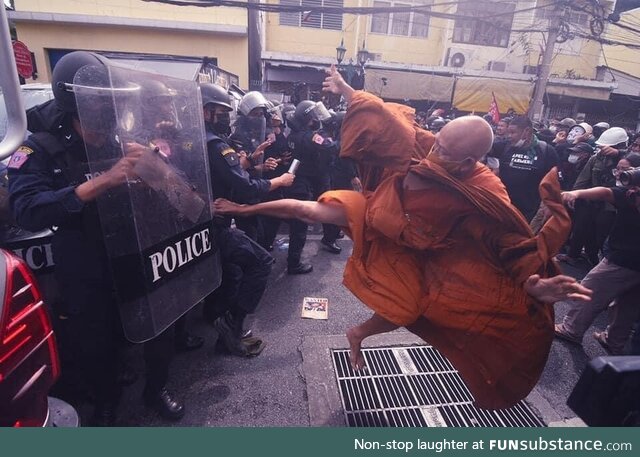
x=157, y=226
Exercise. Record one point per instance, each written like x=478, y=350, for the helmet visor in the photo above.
x=318, y=112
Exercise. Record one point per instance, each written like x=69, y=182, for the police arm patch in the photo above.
x=317, y=138
x=19, y=157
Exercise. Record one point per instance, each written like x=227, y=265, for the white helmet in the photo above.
x=613, y=136
x=252, y=100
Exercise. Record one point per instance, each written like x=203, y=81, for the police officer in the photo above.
x=315, y=153
x=51, y=186
x=245, y=265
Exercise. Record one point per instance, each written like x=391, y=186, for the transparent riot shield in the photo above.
x=249, y=133
x=157, y=225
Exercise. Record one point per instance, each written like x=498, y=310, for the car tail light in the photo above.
x=29, y=361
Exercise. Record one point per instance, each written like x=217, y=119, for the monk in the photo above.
x=439, y=249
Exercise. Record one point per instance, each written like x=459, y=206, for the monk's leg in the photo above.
x=374, y=325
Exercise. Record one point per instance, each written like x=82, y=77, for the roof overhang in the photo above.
x=115, y=21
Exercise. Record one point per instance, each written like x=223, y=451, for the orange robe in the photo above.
x=448, y=262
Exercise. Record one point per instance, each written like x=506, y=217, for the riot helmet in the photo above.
x=217, y=108
x=102, y=95
x=436, y=124
x=64, y=73
x=251, y=101
x=158, y=106
x=310, y=114
x=212, y=93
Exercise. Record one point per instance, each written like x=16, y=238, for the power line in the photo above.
x=279, y=8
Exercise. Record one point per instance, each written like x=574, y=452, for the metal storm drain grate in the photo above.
x=415, y=386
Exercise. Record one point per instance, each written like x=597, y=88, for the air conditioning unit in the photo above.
x=497, y=65
x=530, y=70
x=457, y=58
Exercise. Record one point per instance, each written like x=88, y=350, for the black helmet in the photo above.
x=64, y=72
x=308, y=110
x=437, y=124
x=155, y=89
x=212, y=93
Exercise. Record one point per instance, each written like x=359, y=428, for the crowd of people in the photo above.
x=480, y=210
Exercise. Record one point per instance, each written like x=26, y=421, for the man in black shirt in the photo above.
x=524, y=161
x=616, y=278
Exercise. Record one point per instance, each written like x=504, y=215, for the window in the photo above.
x=314, y=19
x=579, y=18
x=405, y=23
x=491, y=29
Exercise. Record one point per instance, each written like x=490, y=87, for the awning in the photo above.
x=475, y=94
x=402, y=85
x=591, y=93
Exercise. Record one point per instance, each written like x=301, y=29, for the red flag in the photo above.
x=493, y=109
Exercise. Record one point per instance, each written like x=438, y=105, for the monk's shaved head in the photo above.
x=468, y=136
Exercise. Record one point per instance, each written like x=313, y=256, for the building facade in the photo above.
x=51, y=29
x=429, y=53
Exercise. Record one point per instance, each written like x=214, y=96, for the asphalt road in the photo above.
x=269, y=390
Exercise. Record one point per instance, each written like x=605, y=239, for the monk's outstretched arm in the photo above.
x=307, y=211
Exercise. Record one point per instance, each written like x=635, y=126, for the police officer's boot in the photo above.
x=229, y=328
x=164, y=403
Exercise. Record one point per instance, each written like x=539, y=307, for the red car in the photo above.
x=29, y=363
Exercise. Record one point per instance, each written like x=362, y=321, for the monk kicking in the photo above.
x=439, y=249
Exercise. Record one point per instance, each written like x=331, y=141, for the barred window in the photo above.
x=312, y=19
x=407, y=23
x=492, y=31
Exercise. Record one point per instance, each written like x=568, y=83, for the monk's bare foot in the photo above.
x=355, y=354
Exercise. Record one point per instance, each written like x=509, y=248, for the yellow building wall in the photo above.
x=137, y=9
x=356, y=29
x=231, y=51
x=624, y=58
x=39, y=37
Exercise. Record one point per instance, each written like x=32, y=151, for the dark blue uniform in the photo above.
x=42, y=184
x=233, y=182
x=315, y=153
x=42, y=190
x=245, y=265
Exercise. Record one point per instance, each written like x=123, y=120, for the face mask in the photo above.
x=222, y=126
x=455, y=169
x=553, y=129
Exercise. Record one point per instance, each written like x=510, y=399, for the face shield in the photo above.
x=318, y=112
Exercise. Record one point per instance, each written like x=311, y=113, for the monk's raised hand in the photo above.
x=334, y=82
x=558, y=288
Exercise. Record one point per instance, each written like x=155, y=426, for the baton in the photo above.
x=294, y=166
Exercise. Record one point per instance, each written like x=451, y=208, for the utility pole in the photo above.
x=255, y=47
x=535, y=111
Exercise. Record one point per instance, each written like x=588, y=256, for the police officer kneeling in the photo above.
x=51, y=185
